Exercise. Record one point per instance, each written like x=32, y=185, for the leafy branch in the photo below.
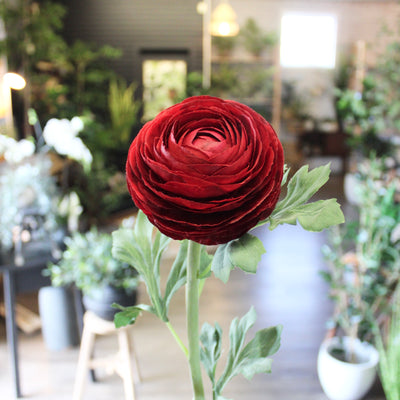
x=143, y=247
x=245, y=252
x=247, y=360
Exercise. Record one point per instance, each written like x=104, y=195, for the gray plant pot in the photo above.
x=100, y=301
x=58, y=316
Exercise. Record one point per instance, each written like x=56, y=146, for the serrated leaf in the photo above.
x=304, y=185
x=221, y=264
x=251, y=359
x=137, y=248
x=244, y=253
x=210, y=352
x=237, y=334
x=265, y=343
x=314, y=216
x=143, y=227
x=128, y=315
x=143, y=232
x=248, y=368
x=125, y=249
x=321, y=214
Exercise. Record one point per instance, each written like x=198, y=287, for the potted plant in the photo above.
x=363, y=258
x=224, y=45
x=255, y=40
x=87, y=263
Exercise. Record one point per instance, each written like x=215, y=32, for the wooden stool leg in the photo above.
x=126, y=365
x=136, y=371
x=85, y=352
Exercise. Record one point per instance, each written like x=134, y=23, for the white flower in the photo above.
x=5, y=143
x=17, y=151
x=61, y=134
x=77, y=124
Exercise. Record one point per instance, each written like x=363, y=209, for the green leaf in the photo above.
x=137, y=248
x=319, y=215
x=314, y=216
x=221, y=264
x=210, y=352
x=304, y=185
x=237, y=334
x=244, y=253
x=126, y=249
x=177, y=274
x=251, y=359
x=248, y=368
x=205, y=263
x=143, y=227
x=285, y=175
x=128, y=315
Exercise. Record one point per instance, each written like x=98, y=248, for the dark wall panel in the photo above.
x=137, y=25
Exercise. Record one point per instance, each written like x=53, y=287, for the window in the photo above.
x=308, y=41
x=164, y=84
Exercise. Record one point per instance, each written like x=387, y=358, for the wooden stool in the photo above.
x=119, y=363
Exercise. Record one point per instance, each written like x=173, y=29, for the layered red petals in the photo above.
x=206, y=170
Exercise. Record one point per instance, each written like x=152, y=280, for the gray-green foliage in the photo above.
x=245, y=252
x=23, y=185
x=255, y=40
x=244, y=359
x=123, y=110
x=364, y=254
x=143, y=247
x=374, y=112
x=88, y=263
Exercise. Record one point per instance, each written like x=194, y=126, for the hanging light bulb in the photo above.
x=14, y=81
x=223, y=21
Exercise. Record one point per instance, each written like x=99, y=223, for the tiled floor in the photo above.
x=287, y=290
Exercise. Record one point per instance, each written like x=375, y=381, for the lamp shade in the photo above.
x=223, y=21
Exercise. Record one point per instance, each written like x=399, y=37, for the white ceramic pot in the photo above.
x=342, y=380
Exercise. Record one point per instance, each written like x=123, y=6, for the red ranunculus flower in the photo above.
x=206, y=170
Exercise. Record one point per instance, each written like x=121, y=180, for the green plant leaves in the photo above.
x=247, y=360
x=314, y=216
x=244, y=253
x=128, y=315
x=142, y=248
x=211, y=340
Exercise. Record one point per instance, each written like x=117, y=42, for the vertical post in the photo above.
x=11, y=328
x=277, y=92
x=207, y=45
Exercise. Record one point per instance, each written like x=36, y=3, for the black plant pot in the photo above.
x=100, y=301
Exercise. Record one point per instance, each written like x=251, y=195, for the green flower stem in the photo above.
x=178, y=339
x=192, y=315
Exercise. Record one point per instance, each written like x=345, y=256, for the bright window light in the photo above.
x=308, y=41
